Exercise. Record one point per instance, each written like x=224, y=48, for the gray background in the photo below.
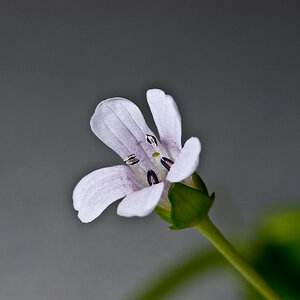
x=233, y=68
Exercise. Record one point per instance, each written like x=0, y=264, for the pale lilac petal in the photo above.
x=142, y=202
x=187, y=161
x=167, y=119
x=99, y=189
x=120, y=125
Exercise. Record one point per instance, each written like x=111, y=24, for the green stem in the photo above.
x=209, y=230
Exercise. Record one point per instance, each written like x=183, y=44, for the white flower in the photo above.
x=150, y=164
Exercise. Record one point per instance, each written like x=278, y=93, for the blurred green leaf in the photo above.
x=278, y=253
x=281, y=227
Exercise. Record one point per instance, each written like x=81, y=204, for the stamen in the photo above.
x=151, y=139
x=151, y=177
x=131, y=160
x=167, y=163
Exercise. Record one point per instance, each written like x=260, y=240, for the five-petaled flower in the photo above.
x=150, y=164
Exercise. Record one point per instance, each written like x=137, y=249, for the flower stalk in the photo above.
x=210, y=231
x=189, y=208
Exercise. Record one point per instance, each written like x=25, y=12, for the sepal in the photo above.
x=199, y=183
x=188, y=205
x=164, y=214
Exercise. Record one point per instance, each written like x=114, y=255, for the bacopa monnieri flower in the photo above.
x=150, y=164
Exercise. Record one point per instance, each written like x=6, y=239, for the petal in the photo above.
x=167, y=119
x=99, y=189
x=187, y=161
x=142, y=202
x=120, y=125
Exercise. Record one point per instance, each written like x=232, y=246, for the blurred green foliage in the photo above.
x=274, y=253
x=277, y=253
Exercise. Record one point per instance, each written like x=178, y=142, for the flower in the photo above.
x=150, y=164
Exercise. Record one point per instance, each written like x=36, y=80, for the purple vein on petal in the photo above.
x=138, y=143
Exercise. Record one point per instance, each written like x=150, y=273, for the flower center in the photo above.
x=163, y=163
